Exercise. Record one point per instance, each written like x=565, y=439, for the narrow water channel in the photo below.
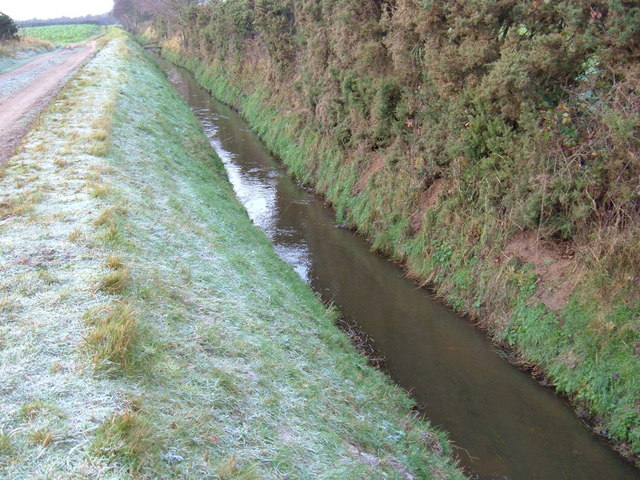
x=504, y=424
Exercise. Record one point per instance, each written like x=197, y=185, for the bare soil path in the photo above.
x=25, y=91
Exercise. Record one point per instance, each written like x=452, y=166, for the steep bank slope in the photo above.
x=491, y=147
x=147, y=329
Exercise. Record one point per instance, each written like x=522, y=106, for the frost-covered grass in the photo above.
x=60, y=34
x=148, y=329
x=50, y=262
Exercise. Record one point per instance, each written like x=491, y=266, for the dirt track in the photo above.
x=25, y=91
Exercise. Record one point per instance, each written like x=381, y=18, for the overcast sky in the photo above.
x=28, y=9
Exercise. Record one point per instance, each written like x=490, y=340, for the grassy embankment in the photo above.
x=568, y=308
x=147, y=328
x=37, y=40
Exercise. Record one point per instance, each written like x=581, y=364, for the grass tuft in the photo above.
x=48, y=277
x=116, y=281
x=125, y=438
x=7, y=304
x=112, y=234
x=60, y=162
x=112, y=336
x=99, y=148
x=43, y=437
x=115, y=263
x=6, y=447
x=32, y=410
x=99, y=190
x=106, y=217
x=21, y=205
x=75, y=235
x=110, y=219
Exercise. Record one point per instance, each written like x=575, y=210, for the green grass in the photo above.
x=61, y=34
x=213, y=357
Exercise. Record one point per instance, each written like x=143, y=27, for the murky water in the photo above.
x=504, y=424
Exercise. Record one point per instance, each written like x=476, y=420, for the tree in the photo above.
x=8, y=29
x=133, y=14
x=126, y=12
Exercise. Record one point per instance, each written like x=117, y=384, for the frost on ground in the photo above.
x=148, y=329
x=49, y=260
x=10, y=84
x=14, y=53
